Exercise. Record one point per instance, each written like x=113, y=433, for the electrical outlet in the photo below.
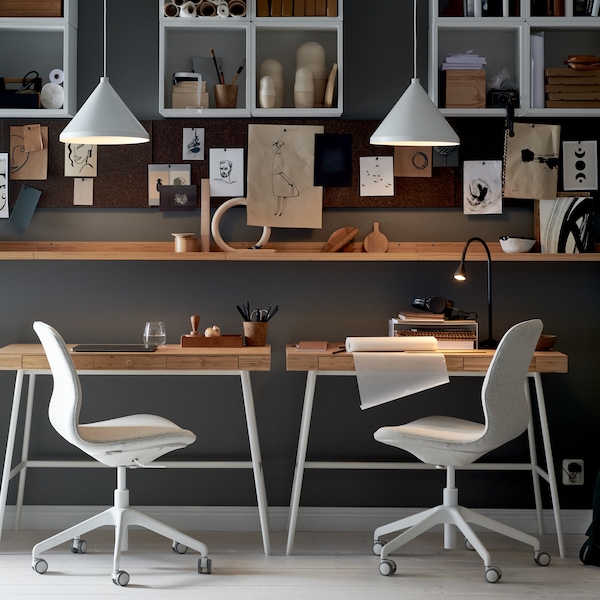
x=572, y=471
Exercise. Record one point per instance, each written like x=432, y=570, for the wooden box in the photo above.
x=31, y=8
x=463, y=88
x=185, y=95
x=201, y=341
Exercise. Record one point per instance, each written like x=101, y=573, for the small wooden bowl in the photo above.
x=546, y=342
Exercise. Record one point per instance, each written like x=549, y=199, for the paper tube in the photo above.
x=237, y=8
x=223, y=10
x=171, y=9
x=391, y=344
x=207, y=9
x=188, y=10
x=56, y=76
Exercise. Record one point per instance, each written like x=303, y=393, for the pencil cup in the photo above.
x=226, y=95
x=255, y=333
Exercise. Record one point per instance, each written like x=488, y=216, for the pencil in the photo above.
x=220, y=76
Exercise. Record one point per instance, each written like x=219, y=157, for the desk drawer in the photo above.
x=230, y=363
x=130, y=361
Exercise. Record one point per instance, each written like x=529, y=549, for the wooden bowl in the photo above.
x=546, y=342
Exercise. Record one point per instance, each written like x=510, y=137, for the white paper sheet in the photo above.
x=390, y=344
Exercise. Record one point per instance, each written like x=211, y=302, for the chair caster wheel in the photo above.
x=204, y=565
x=493, y=574
x=542, y=559
x=468, y=545
x=377, y=547
x=387, y=567
x=40, y=566
x=79, y=547
x=121, y=578
x=179, y=548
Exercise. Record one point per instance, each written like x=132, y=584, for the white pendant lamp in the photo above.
x=415, y=120
x=104, y=119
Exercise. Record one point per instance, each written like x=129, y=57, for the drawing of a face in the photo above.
x=225, y=168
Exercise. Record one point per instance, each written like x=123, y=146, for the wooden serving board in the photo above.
x=376, y=241
x=221, y=341
x=340, y=238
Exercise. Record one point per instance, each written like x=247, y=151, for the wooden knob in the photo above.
x=129, y=362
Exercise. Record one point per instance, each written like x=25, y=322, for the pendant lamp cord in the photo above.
x=104, y=38
x=415, y=39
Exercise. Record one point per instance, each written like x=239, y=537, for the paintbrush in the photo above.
x=220, y=76
x=240, y=69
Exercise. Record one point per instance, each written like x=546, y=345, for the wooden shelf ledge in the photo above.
x=273, y=251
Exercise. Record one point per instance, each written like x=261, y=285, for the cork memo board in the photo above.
x=122, y=180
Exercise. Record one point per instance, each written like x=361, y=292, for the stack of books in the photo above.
x=464, y=62
x=297, y=8
x=421, y=316
x=572, y=88
x=450, y=334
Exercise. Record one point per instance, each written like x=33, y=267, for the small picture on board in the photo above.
x=376, y=175
x=81, y=160
x=566, y=225
x=482, y=187
x=178, y=197
x=226, y=171
x=580, y=165
x=3, y=185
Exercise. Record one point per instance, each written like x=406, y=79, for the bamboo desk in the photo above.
x=470, y=363
x=30, y=360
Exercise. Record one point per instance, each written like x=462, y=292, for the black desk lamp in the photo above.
x=460, y=275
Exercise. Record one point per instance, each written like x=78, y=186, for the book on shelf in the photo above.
x=298, y=8
x=321, y=8
x=262, y=8
x=463, y=62
x=287, y=8
x=276, y=6
x=310, y=8
x=420, y=316
x=332, y=8
x=573, y=96
x=566, y=88
x=572, y=103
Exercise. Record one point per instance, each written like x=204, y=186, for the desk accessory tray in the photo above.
x=221, y=341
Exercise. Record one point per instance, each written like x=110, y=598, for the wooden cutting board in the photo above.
x=340, y=238
x=376, y=241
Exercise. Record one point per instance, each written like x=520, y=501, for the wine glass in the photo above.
x=155, y=333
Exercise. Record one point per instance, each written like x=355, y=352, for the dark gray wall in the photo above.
x=110, y=301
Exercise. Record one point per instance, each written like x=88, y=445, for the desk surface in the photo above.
x=456, y=360
x=170, y=357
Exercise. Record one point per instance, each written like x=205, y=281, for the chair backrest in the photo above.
x=503, y=392
x=65, y=403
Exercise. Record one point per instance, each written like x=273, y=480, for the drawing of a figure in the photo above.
x=225, y=169
x=80, y=156
x=283, y=186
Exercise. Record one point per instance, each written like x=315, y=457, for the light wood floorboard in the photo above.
x=332, y=566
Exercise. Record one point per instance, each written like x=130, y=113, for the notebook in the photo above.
x=114, y=348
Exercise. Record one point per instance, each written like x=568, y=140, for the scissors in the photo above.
x=261, y=314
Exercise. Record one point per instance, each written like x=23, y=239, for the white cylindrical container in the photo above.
x=304, y=89
x=266, y=92
x=273, y=68
x=312, y=56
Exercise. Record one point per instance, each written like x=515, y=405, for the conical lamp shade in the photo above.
x=104, y=119
x=415, y=121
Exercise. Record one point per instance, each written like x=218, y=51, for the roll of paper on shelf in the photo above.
x=56, y=76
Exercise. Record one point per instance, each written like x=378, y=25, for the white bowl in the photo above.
x=516, y=244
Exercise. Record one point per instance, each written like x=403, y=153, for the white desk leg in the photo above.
x=309, y=396
x=534, y=463
x=539, y=392
x=25, y=450
x=10, y=445
x=259, y=481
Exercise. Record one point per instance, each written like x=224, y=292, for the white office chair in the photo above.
x=451, y=442
x=131, y=441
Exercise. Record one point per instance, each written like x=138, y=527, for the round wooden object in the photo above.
x=340, y=238
x=376, y=241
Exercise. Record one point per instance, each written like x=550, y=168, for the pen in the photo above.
x=240, y=69
x=220, y=76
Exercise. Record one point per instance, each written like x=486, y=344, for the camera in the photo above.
x=501, y=98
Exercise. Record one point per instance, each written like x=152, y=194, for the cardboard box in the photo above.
x=463, y=88
x=185, y=95
x=31, y=8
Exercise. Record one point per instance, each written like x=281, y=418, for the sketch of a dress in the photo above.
x=283, y=186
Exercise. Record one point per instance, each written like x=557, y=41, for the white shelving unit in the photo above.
x=505, y=42
x=254, y=39
x=41, y=44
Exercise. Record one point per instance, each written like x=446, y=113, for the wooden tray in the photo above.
x=201, y=341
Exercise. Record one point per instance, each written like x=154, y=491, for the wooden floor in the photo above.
x=325, y=566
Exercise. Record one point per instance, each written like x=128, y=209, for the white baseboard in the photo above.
x=245, y=518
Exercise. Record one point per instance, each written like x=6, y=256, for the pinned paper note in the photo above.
x=25, y=206
x=27, y=164
x=83, y=191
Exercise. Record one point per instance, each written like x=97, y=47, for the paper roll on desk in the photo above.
x=389, y=368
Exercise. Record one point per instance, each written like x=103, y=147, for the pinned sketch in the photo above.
x=226, y=172
x=159, y=175
x=81, y=160
x=281, y=167
x=413, y=161
x=482, y=187
x=3, y=185
x=566, y=225
x=193, y=144
x=580, y=165
x=28, y=160
x=178, y=197
x=376, y=175
x=531, y=161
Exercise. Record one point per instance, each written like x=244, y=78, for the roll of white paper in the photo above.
x=391, y=344
x=223, y=10
x=188, y=10
x=56, y=76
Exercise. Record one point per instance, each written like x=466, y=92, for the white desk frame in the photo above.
x=536, y=471
x=21, y=469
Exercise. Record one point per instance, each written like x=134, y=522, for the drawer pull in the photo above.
x=129, y=362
